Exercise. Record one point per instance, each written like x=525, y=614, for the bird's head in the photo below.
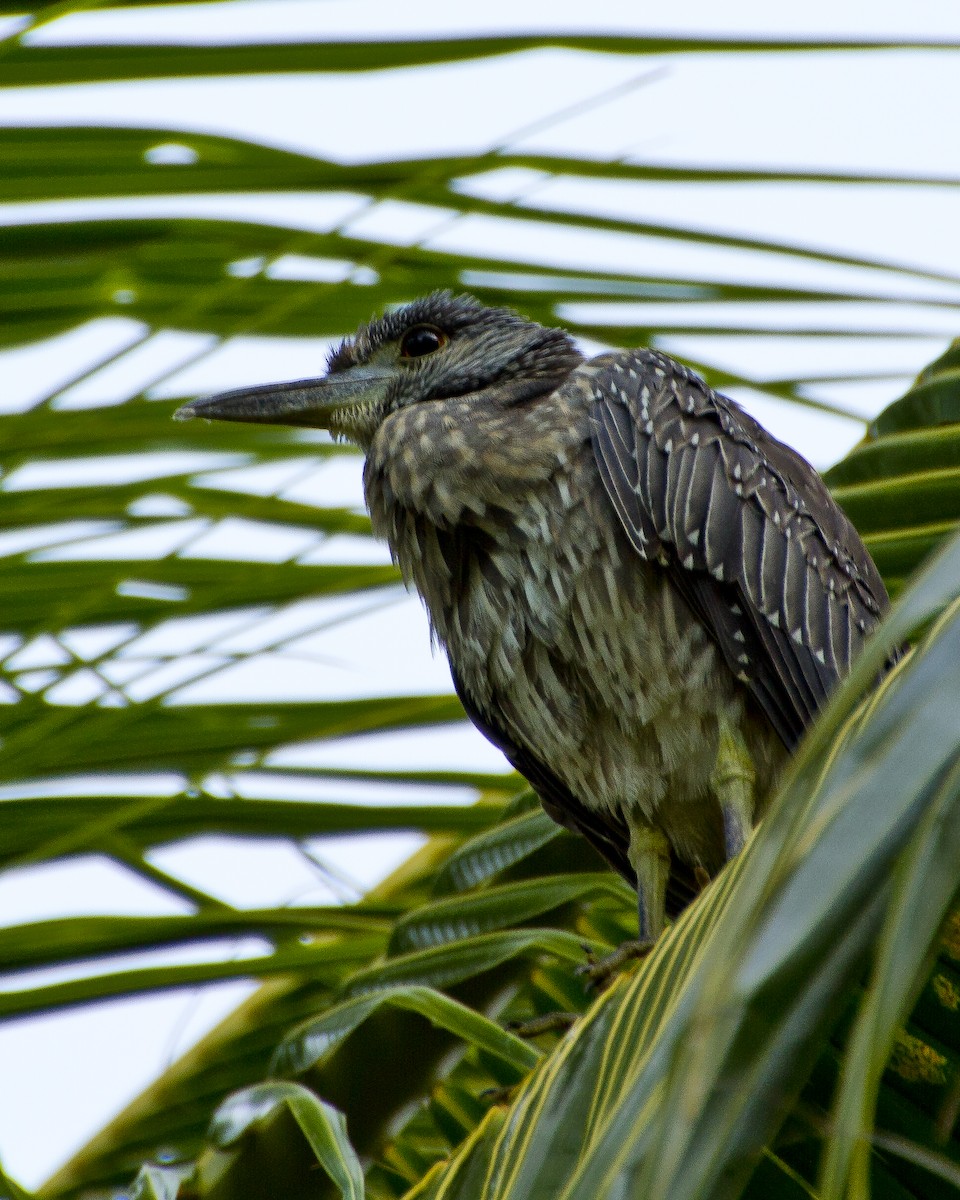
x=435, y=348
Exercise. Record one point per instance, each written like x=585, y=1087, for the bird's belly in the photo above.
x=599, y=670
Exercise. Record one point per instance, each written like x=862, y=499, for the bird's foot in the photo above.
x=498, y=1095
x=555, y=1022
x=600, y=972
x=702, y=876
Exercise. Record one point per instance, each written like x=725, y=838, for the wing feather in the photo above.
x=746, y=528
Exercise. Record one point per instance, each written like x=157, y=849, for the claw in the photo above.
x=554, y=1022
x=600, y=972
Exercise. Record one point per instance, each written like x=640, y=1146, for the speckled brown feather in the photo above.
x=746, y=529
x=617, y=566
x=577, y=656
x=622, y=566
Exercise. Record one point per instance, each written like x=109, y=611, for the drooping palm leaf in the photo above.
x=88, y=702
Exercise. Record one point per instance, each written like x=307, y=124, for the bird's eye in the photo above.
x=421, y=340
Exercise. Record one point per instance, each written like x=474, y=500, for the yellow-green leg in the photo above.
x=649, y=856
x=732, y=782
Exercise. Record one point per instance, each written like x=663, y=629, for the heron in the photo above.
x=645, y=598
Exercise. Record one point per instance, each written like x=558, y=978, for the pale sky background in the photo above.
x=899, y=110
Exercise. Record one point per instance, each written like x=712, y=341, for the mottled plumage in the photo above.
x=644, y=597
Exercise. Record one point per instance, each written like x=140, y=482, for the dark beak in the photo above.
x=305, y=402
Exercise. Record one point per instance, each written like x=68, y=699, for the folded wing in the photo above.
x=746, y=529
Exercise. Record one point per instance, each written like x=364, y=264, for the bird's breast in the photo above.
x=579, y=650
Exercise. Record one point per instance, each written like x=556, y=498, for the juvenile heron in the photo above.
x=645, y=597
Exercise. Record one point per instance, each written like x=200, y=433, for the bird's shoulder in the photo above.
x=750, y=533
